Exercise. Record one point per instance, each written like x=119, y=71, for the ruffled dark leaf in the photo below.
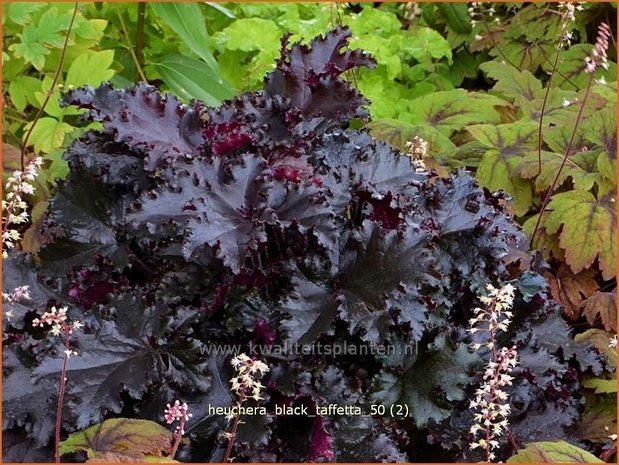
x=157, y=126
x=310, y=77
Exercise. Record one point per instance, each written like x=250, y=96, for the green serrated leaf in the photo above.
x=505, y=145
x=90, y=68
x=50, y=27
x=20, y=12
x=91, y=29
x=30, y=49
x=580, y=168
x=511, y=83
x=601, y=129
x=22, y=90
x=588, y=230
x=452, y=110
x=523, y=55
x=553, y=452
x=425, y=44
x=607, y=166
x=48, y=134
x=457, y=16
x=249, y=34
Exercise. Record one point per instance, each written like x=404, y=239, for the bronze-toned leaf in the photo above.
x=134, y=440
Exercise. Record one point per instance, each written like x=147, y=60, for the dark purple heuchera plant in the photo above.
x=267, y=222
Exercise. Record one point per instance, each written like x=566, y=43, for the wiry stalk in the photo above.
x=51, y=89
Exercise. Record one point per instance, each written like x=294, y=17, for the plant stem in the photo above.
x=51, y=89
x=496, y=45
x=178, y=436
x=139, y=33
x=63, y=385
x=568, y=149
x=130, y=47
x=541, y=116
x=235, y=426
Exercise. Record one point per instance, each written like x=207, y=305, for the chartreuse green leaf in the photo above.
x=601, y=386
x=506, y=144
x=249, y=34
x=36, y=40
x=120, y=438
x=588, y=230
x=22, y=90
x=553, y=452
x=191, y=78
x=187, y=20
x=30, y=49
x=20, y=12
x=90, y=68
x=53, y=104
x=48, y=134
x=425, y=44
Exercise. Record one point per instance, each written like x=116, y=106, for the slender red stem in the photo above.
x=235, y=426
x=541, y=116
x=178, y=436
x=63, y=385
x=566, y=155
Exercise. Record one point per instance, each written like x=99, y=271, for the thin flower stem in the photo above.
x=496, y=45
x=541, y=116
x=566, y=155
x=233, y=431
x=51, y=89
x=178, y=436
x=63, y=385
x=512, y=440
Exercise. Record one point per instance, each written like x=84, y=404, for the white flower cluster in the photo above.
x=177, y=412
x=14, y=208
x=496, y=316
x=479, y=12
x=491, y=400
x=17, y=294
x=246, y=383
x=598, y=57
x=568, y=10
x=418, y=151
x=57, y=319
x=410, y=10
